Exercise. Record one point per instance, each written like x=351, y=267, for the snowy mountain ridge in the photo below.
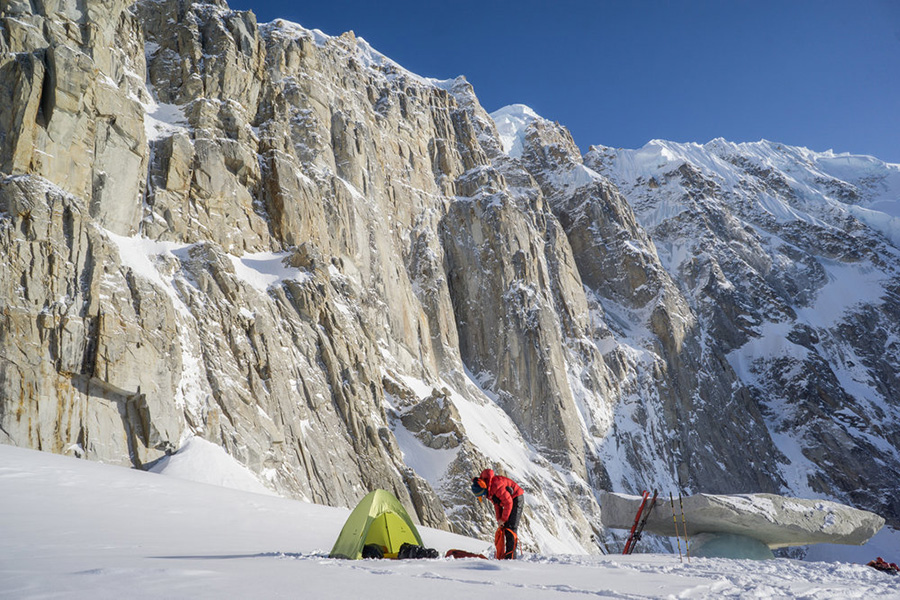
x=779, y=251
x=834, y=214
x=863, y=186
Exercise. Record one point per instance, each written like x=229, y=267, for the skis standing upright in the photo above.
x=640, y=527
x=645, y=495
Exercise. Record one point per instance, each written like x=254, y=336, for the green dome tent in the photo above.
x=380, y=519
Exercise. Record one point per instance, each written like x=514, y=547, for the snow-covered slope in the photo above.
x=792, y=260
x=77, y=529
x=205, y=462
x=853, y=185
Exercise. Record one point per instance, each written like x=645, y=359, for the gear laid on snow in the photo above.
x=882, y=565
x=454, y=553
x=413, y=551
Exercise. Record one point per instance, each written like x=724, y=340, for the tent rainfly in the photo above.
x=379, y=518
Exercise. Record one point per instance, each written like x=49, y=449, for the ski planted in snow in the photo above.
x=640, y=528
x=644, y=496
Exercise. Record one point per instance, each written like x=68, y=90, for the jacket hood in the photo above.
x=487, y=475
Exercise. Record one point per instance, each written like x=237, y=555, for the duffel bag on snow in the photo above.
x=413, y=551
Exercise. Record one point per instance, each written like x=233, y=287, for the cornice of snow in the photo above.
x=511, y=122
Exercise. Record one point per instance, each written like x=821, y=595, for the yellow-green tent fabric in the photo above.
x=379, y=518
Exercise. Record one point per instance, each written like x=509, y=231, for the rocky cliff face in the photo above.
x=349, y=277
x=790, y=260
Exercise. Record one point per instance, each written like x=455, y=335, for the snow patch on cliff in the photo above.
x=143, y=256
x=262, y=270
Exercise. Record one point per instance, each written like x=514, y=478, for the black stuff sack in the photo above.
x=412, y=551
x=372, y=551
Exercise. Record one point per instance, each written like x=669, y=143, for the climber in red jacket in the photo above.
x=508, y=499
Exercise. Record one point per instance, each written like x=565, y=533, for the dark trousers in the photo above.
x=512, y=526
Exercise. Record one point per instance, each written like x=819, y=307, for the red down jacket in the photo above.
x=501, y=491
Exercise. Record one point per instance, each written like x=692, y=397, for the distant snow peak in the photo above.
x=854, y=185
x=511, y=122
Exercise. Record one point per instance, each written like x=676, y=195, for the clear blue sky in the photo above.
x=817, y=73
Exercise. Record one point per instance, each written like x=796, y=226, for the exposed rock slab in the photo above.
x=776, y=521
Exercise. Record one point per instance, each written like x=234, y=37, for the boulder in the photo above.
x=776, y=521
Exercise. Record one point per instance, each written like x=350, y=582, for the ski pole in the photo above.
x=675, y=521
x=600, y=544
x=687, y=548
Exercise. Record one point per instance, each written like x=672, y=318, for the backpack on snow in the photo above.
x=500, y=543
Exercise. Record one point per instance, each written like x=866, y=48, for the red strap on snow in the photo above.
x=454, y=553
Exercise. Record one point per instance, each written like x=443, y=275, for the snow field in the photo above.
x=77, y=529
